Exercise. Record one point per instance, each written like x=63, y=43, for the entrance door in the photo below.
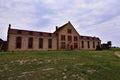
x=70, y=47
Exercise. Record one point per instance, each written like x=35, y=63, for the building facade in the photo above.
x=64, y=38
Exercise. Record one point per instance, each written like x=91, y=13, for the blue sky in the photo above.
x=99, y=18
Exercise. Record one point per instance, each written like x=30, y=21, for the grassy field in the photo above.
x=60, y=65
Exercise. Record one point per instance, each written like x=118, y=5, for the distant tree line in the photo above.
x=104, y=46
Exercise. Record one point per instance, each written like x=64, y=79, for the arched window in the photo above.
x=82, y=44
x=18, y=42
x=40, y=42
x=93, y=44
x=30, y=42
x=49, y=43
x=88, y=44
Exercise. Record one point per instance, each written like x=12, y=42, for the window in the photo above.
x=63, y=45
x=30, y=42
x=75, y=45
x=49, y=43
x=69, y=31
x=75, y=38
x=69, y=38
x=18, y=42
x=40, y=42
x=63, y=37
x=93, y=44
x=88, y=44
x=82, y=44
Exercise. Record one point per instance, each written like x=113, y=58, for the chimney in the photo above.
x=9, y=26
x=56, y=27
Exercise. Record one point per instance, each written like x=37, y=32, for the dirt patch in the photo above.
x=91, y=70
x=34, y=71
x=47, y=69
x=117, y=54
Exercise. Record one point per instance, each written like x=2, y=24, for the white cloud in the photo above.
x=108, y=30
x=18, y=14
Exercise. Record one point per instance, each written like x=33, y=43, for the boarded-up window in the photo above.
x=40, y=42
x=63, y=37
x=30, y=42
x=63, y=45
x=49, y=43
x=18, y=42
x=75, y=45
x=82, y=44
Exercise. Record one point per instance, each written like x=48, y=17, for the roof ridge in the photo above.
x=32, y=31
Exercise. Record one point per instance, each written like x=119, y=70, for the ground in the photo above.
x=60, y=65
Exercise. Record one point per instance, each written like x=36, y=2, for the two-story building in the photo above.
x=65, y=37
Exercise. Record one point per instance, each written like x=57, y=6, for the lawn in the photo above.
x=60, y=65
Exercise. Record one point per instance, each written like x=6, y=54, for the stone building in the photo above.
x=64, y=38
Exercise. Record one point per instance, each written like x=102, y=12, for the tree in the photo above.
x=109, y=43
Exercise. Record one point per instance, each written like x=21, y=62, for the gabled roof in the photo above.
x=59, y=28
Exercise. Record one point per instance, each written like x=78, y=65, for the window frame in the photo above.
x=30, y=42
x=63, y=38
x=82, y=44
x=75, y=38
x=49, y=43
x=18, y=42
x=69, y=31
x=41, y=43
x=75, y=45
x=69, y=38
x=88, y=44
x=93, y=44
x=63, y=45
